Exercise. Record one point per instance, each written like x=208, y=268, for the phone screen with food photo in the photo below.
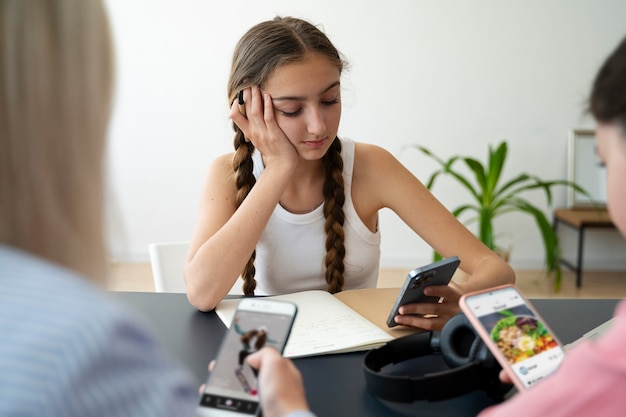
x=515, y=333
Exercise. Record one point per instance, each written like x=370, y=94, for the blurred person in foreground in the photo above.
x=67, y=348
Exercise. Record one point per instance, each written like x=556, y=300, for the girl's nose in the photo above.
x=315, y=122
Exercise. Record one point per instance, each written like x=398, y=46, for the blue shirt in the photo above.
x=69, y=349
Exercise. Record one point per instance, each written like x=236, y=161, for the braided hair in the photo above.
x=265, y=47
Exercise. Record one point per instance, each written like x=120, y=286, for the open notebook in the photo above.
x=348, y=321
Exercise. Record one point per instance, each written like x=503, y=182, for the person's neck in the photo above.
x=305, y=192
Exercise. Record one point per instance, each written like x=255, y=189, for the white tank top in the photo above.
x=290, y=254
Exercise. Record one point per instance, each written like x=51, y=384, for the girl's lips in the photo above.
x=314, y=143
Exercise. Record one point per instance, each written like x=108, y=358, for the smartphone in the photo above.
x=514, y=332
x=437, y=273
x=231, y=388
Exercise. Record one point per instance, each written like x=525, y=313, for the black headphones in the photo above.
x=470, y=365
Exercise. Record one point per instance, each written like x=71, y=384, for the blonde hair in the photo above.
x=55, y=95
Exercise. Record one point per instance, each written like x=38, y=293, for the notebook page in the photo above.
x=323, y=325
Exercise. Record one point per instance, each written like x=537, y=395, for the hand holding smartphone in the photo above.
x=437, y=273
x=514, y=332
x=231, y=387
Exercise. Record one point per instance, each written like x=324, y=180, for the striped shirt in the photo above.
x=69, y=349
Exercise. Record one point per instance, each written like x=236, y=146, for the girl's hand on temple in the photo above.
x=436, y=314
x=259, y=127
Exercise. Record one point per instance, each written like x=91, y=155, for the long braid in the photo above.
x=333, y=212
x=244, y=177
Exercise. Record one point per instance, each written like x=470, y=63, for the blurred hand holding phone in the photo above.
x=512, y=329
x=231, y=387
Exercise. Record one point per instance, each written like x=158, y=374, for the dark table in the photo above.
x=335, y=384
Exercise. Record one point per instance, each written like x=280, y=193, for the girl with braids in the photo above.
x=295, y=207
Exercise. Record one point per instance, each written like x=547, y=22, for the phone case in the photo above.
x=436, y=273
x=514, y=332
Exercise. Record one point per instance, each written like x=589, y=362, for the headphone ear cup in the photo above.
x=459, y=343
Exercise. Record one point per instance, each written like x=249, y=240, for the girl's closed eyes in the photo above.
x=298, y=111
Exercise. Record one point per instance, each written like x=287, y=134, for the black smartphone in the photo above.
x=436, y=273
x=231, y=388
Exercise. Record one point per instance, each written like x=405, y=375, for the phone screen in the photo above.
x=530, y=349
x=231, y=388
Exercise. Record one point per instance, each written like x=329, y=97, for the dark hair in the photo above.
x=607, y=102
x=261, y=50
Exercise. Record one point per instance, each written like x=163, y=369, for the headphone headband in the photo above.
x=470, y=366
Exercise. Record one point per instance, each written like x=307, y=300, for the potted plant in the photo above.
x=492, y=196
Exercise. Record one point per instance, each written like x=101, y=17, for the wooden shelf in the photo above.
x=584, y=217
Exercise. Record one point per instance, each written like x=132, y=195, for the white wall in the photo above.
x=453, y=75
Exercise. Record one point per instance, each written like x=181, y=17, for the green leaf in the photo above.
x=431, y=180
x=513, y=182
x=496, y=164
x=457, y=212
x=479, y=172
x=548, y=235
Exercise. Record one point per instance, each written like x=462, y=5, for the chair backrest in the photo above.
x=168, y=261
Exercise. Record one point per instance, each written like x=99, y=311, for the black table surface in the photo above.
x=335, y=383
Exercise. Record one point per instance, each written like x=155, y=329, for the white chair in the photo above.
x=168, y=260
